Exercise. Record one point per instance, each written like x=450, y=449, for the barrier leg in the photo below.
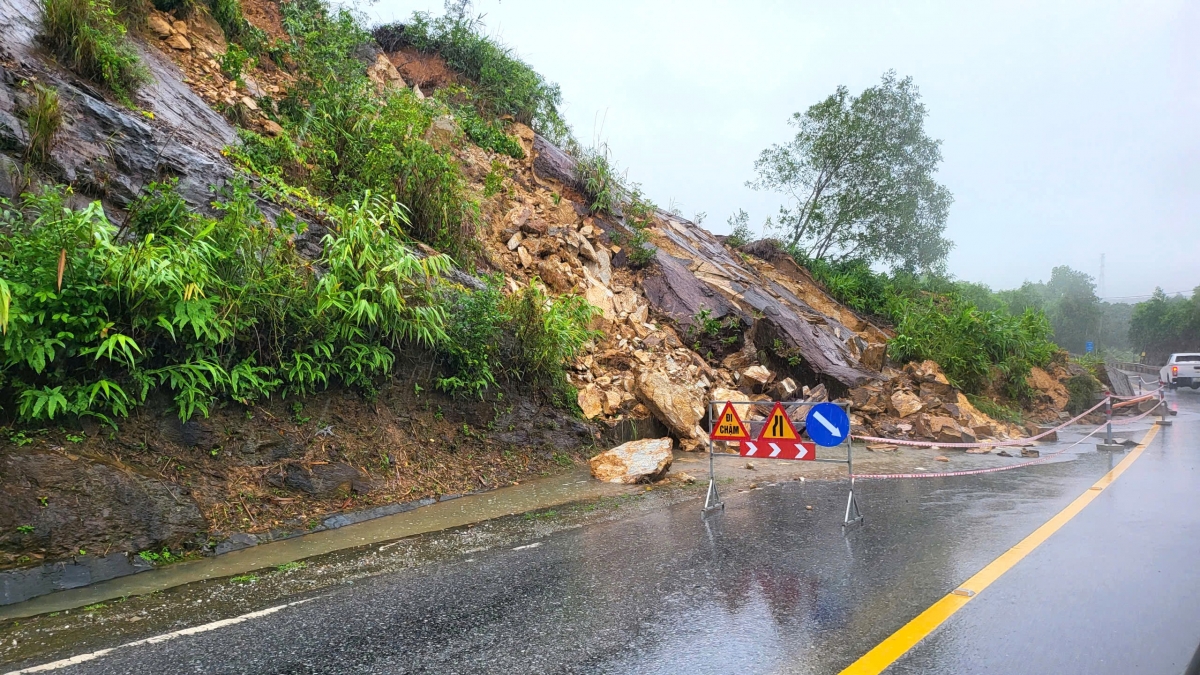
x=1162, y=420
x=853, y=513
x=1108, y=443
x=712, y=500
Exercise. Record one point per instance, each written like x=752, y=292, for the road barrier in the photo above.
x=750, y=447
x=853, y=515
x=1020, y=465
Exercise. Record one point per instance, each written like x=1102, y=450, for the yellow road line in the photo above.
x=886, y=652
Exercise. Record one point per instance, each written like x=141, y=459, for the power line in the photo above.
x=1146, y=296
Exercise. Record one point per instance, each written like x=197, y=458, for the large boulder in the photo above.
x=942, y=428
x=723, y=394
x=869, y=399
x=678, y=406
x=905, y=403
x=591, y=401
x=641, y=461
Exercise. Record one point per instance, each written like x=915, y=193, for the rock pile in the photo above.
x=918, y=402
x=703, y=322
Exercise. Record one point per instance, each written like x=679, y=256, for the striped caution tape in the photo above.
x=989, y=444
x=995, y=469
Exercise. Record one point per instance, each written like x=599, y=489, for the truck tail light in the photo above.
x=1174, y=370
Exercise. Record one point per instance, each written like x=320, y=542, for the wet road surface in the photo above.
x=768, y=586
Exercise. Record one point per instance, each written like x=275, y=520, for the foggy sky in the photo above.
x=1068, y=131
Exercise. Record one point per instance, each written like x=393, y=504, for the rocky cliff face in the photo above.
x=107, y=151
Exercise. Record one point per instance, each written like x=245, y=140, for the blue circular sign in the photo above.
x=827, y=424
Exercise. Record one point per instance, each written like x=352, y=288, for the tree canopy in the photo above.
x=1162, y=326
x=860, y=177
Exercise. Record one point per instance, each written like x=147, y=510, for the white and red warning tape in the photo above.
x=1007, y=443
x=1009, y=467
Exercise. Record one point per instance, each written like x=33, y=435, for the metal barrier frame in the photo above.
x=712, y=500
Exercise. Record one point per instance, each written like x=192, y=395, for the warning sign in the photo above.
x=729, y=426
x=778, y=426
x=778, y=449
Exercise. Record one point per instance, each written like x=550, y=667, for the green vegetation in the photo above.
x=506, y=85
x=235, y=60
x=494, y=179
x=739, y=230
x=228, y=15
x=484, y=132
x=860, y=172
x=160, y=558
x=526, y=336
x=598, y=179
x=1162, y=326
x=43, y=117
x=244, y=579
x=87, y=37
x=202, y=307
x=638, y=214
x=1083, y=389
x=996, y=410
x=978, y=349
x=343, y=140
x=291, y=566
x=25, y=529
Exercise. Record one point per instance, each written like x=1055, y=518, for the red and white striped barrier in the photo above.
x=995, y=469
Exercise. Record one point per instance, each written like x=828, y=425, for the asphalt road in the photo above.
x=769, y=586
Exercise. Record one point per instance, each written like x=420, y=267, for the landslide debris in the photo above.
x=683, y=319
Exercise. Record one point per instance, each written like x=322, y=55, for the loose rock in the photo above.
x=633, y=462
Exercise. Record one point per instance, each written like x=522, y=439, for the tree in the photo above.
x=1028, y=296
x=1161, y=326
x=859, y=175
x=1073, y=308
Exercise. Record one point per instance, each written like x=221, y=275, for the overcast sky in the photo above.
x=1069, y=129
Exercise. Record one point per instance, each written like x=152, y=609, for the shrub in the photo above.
x=489, y=135
x=739, y=230
x=203, y=308
x=598, y=180
x=344, y=140
x=638, y=217
x=87, y=38
x=228, y=15
x=976, y=349
x=506, y=84
x=234, y=60
x=43, y=117
x=1083, y=389
x=527, y=337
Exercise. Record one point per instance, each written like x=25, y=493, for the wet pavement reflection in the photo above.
x=767, y=586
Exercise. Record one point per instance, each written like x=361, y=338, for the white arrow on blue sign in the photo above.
x=828, y=425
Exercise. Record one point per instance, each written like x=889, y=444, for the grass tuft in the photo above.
x=88, y=38
x=43, y=117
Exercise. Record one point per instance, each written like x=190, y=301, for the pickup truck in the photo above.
x=1182, y=370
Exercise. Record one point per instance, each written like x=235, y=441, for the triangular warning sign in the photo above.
x=729, y=426
x=778, y=426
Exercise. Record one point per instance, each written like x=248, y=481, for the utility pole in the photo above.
x=1100, y=328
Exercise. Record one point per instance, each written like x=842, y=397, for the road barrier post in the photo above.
x=1162, y=420
x=1108, y=443
x=713, y=499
